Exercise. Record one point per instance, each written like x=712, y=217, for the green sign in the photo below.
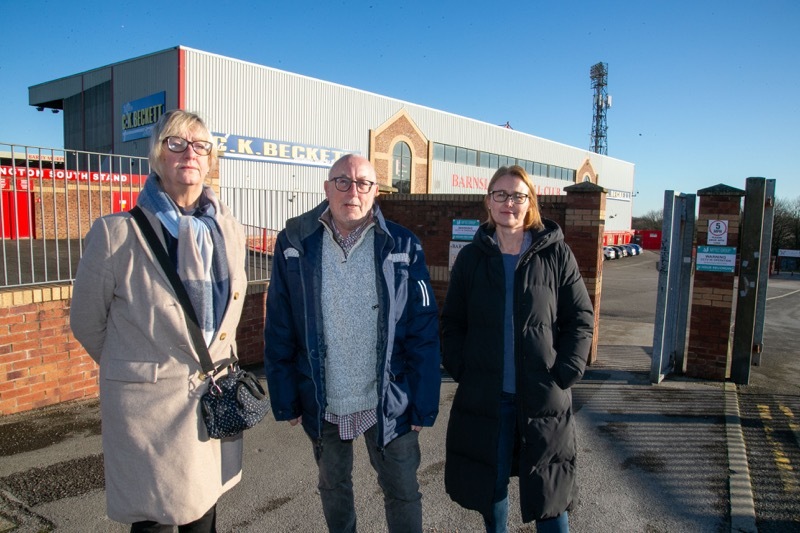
x=464, y=229
x=716, y=259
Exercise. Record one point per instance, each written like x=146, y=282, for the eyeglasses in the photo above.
x=343, y=184
x=179, y=145
x=502, y=197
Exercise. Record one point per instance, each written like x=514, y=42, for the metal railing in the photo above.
x=264, y=213
x=49, y=199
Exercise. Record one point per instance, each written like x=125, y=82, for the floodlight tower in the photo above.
x=602, y=101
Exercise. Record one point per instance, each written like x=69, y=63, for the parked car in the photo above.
x=621, y=252
x=609, y=252
x=631, y=249
x=637, y=247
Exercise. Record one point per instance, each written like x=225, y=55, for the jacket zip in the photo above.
x=318, y=444
x=379, y=261
x=525, y=258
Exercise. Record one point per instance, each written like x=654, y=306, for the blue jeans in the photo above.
x=397, y=475
x=497, y=522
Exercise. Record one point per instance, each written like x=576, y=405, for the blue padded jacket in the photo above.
x=408, y=373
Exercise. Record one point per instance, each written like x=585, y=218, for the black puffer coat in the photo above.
x=554, y=323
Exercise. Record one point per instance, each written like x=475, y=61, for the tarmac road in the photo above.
x=769, y=405
x=770, y=409
x=653, y=458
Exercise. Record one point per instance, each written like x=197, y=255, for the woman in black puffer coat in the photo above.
x=517, y=329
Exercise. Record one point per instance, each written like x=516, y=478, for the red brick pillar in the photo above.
x=584, y=225
x=709, y=351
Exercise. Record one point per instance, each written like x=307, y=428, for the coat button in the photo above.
x=222, y=336
x=235, y=295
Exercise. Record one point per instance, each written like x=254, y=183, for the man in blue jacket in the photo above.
x=352, y=344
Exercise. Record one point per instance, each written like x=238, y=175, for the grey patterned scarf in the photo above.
x=202, y=261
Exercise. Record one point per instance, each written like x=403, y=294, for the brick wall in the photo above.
x=41, y=363
x=69, y=213
x=581, y=213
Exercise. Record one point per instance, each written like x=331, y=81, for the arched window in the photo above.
x=401, y=167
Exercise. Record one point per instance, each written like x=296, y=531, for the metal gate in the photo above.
x=756, y=242
x=674, y=285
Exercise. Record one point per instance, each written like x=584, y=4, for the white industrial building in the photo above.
x=281, y=131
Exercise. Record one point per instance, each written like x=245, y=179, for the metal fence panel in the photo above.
x=51, y=197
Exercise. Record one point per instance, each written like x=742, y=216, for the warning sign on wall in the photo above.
x=716, y=259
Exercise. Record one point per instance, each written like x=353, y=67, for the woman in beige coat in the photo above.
x=161, y=467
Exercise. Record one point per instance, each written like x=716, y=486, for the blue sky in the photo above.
x=704, y=92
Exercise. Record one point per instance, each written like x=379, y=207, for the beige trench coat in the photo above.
x=160, y=463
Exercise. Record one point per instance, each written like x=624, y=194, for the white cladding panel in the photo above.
x=266, y=103
x=241, y=99
x=256, y=175
x=54, y=90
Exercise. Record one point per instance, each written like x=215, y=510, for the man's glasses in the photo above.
x=343, y=184
x=179, y=145
x=502, y=197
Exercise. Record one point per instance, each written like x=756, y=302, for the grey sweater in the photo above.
x=350, y=311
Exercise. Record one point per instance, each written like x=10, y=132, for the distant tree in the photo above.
x=786, y=225
x=651, y=220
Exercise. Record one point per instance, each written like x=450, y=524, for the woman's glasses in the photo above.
x=502, y=197
x=179, y=145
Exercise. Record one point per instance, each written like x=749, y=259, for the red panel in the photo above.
x=181, y=78
x=17, y=211
x=123, y=201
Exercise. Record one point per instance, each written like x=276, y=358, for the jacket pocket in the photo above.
x=396, y=401
x=131, y=371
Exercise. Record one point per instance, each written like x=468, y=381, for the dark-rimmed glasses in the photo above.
x=179, y=145
x=343, y=184
x=502, y=197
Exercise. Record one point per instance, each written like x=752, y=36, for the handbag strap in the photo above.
x=180, y=291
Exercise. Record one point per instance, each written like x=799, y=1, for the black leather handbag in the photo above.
x=233, y=402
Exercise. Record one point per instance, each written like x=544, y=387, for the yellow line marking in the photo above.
x=782, y=461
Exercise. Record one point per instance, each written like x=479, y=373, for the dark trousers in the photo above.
x=396, y=467
x=205, y=524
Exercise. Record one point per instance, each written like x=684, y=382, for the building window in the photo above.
x=401, y=167
x=438, y=152
x=466, y=156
